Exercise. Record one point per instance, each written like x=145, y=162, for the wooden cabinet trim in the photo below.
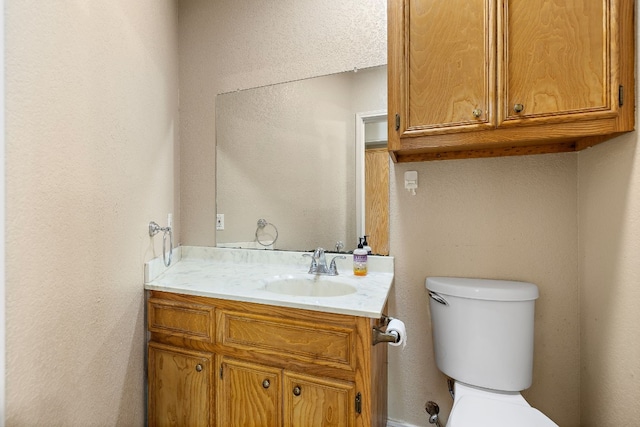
x=321, y=343
x=193, y=321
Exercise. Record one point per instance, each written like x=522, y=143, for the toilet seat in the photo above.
x=478, y=411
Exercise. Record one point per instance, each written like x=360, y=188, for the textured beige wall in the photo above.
x=506, y=218
x=609, y=260
x=91, y=131
x=229, y=44
x=609, y=212
x=609, y=219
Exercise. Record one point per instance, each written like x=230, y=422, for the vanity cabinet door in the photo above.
x=179, y=386
x=249, y=395
x=312, y=401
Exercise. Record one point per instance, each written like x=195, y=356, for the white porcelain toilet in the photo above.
x=483, y=340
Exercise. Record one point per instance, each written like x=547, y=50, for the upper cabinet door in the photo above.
x=554, y=61
x=485, y=78
x=442, y=53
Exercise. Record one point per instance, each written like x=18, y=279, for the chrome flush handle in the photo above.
x=437, y=298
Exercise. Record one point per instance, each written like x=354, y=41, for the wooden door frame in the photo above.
x=361, y=120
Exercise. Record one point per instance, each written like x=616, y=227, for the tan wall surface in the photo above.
x=609, y=212
x=609, y=260
x=92, y=157
x=609, y=218
x=504, y=218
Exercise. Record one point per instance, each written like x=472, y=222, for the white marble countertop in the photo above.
x=241, y=275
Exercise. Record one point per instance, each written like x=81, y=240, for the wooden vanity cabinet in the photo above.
x=315, y=401
x=226, y=363
x=504, y=77
x=179, y=386
x=249, y=394
x=259, y=395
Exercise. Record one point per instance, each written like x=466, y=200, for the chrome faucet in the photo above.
x=319, y=263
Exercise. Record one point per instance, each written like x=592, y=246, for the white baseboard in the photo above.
x=392, y=423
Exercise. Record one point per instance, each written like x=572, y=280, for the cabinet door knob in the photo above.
x=518, y=108
x=477, y=113
x=199, y=367
x=297, y=390
x=266, y=383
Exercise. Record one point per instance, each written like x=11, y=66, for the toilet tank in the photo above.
x=483, y=330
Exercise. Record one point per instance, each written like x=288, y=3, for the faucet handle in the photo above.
x=333, y=269
x=313, y=268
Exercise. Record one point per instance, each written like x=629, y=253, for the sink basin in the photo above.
x=309, y=286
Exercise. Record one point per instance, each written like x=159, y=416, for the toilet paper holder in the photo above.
x=378, y=335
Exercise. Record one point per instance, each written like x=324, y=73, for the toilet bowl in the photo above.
x=488, y=408
x=483, y=340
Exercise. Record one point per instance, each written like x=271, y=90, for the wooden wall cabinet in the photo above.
x=505, y=77
x=225, y=363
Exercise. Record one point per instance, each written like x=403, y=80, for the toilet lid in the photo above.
x=482, y=412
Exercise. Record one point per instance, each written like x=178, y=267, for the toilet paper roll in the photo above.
x=397, y=327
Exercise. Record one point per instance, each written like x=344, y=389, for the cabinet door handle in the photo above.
x=266, y=383
x=297, y=390
x=199, y=367
x=518, y=108
x=477, y=113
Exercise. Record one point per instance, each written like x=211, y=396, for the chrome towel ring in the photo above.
x=262, y=224
x=154, y=229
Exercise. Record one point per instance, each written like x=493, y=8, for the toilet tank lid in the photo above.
x=483, y=289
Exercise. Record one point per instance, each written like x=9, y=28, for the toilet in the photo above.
x=483, y=340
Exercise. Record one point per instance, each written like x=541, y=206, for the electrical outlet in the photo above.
x=219, y=221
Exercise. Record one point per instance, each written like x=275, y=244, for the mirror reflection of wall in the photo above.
x=286, y=153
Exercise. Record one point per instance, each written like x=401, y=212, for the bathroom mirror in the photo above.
x=286, y=153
